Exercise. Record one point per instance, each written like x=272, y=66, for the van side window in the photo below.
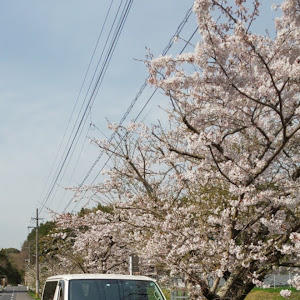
x=49, y=290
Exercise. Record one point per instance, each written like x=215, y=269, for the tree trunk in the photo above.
x=236, y=287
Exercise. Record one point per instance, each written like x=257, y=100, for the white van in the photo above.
x=101, y=287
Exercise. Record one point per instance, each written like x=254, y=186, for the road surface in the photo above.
x=15, y=293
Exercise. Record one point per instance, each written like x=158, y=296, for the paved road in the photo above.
x=15, y=293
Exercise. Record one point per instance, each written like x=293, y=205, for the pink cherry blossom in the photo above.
x=212, y=191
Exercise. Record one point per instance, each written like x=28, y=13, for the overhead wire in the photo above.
x=73, y=111
x=95, y=90
x=167, y=48
x=142, y=88
x=143, y=108
x=103, y=70
x=74, y=107
x=76, y=103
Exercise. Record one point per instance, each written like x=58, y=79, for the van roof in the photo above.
x=98, y=276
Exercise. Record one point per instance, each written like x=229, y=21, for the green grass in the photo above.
x=167, y=293
x=272, y=294
x=32, y=294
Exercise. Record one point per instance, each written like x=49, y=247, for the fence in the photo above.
x=176, y=295
x=278, y=279
x=274, y=280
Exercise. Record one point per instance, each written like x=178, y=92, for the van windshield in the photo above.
x=113, y=289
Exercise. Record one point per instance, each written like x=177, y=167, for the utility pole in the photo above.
x=37, y=263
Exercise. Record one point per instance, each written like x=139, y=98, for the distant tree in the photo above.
x=44, y=230
x=28, y=255
x=97, y=240
x=6, y=268
x=17, y=259
x=11, y=250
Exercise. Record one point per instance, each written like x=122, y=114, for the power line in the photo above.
x=179, y=29
x=167, y=48
x=117, y=33
x=77, y=100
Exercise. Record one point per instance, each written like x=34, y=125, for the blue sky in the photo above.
x=45, y=49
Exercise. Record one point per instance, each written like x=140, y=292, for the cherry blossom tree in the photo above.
x=95, y=242
x=58, y=248
x=213, y=193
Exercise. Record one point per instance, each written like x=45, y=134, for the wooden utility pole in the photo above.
x=37, y=263
x=37, y=256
